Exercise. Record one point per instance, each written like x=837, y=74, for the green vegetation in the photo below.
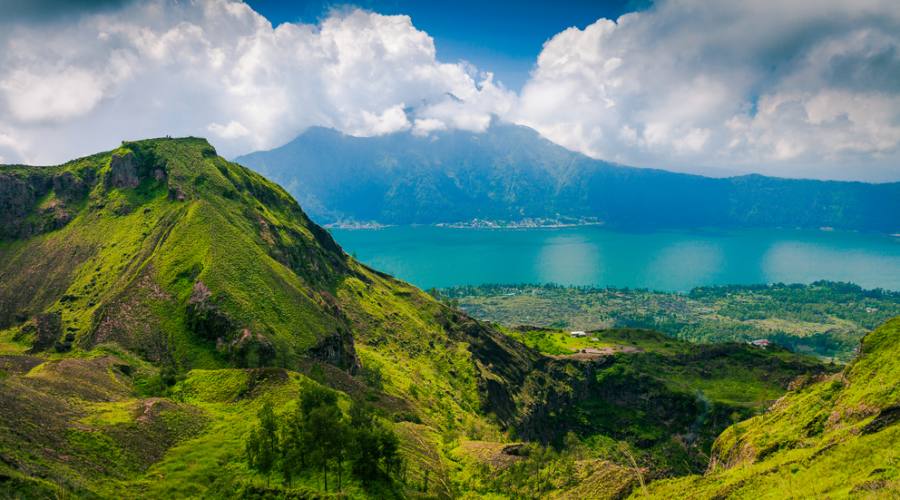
x=172, y=325
x=824, y=318
x=318, y=437
x=833, y=437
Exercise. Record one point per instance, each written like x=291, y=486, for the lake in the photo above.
x=592, y=255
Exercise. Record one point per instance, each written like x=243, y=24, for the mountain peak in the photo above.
x=511, y=173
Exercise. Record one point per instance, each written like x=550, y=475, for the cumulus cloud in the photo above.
x=797, y=88
x=792, y=88
x=217, y=68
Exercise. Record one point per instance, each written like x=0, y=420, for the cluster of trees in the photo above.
x=317, y=436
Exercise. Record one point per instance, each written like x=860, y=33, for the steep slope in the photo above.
x=836, y=436
x=153, y=297
x=193, y=262
x=166, y=226
x=510, y=173
x=165, y=250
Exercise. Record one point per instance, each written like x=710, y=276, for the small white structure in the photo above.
x=578, y=333
x=761, y=343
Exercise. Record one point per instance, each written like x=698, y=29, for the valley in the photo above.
x=824, y=319
x=161, y=309
x=407, y=250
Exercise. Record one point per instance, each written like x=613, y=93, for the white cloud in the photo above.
x=425, y=126
x=391, y=120
x=797, y=88
x=793, y=88
x=233, y=130
x=217, y=67
x=56, y=96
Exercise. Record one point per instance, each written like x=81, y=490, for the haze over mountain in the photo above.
x=510, y=173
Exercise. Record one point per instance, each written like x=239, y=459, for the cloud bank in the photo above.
x=216, y=68
x=791, y=88
x=799, y=88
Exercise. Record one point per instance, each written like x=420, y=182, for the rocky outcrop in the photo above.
x=70, y=187
x=47, y=330
x=127, y=170
x=337, y=349
x=205, y=317
x=252, y=350
x=176, y=194
x=18, y=195
x=123, y=171
x=20, y=213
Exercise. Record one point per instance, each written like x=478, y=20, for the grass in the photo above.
x=821, y=440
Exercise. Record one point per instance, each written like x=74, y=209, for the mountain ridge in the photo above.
x=511, y=173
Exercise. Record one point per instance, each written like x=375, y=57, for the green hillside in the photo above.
x=157, y=302
x=830, y=437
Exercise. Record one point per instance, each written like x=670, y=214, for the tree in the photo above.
x=262, y=444
x=318, y=435
x=325, y=431
x=375, y=447
x=293, y=448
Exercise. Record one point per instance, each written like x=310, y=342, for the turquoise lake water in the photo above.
x=591, y=255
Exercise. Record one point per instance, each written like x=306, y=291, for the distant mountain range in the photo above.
x=510, y=173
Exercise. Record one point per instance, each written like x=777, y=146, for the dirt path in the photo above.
x=591, y=353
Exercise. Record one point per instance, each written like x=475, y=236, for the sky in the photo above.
x=791, y=88
x=502, y=37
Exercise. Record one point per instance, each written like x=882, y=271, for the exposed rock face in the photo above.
x=205, y=318
x=20, y=217
x=123, y=171
x=337, y=349
x=252, y=350
x=129, y=321
x=69, y=186
x=48, y=329
x=248, y=349
x=176, y=194
x=18, y=196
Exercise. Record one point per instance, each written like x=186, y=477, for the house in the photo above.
x=761, y=343
x=578, y=333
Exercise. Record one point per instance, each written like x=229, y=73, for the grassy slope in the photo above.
x=122, y=270
x=121, y=274
x=129, y=254
x=832, y=438
x=734, y=374
x=105, y=439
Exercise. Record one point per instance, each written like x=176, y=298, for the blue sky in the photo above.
x=502, y=37
x=791, y=88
